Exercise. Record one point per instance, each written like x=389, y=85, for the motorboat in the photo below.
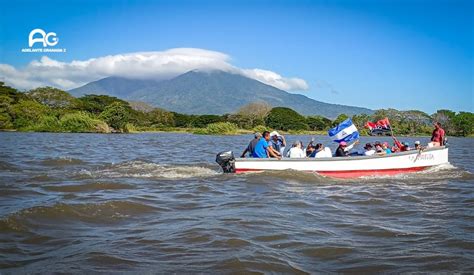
x=341, y=167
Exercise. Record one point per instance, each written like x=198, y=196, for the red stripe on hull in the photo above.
x=352, y=173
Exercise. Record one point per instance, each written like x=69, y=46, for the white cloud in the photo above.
x=157, y=65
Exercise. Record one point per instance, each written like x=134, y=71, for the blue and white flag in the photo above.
x=345, y=131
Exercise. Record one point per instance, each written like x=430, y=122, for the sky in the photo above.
x=376, y=54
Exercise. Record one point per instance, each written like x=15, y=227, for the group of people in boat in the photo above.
x=273, y=145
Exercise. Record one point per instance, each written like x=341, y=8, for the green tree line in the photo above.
x=48, y=109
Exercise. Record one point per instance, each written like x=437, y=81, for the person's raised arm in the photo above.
x=399, y=145
x=349, y=147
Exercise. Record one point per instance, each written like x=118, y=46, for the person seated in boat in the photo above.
x=379, y=150
x=369, y=150
x=386, y=149
x=406, y=146
x=251, y=147
x=321, y=151
x=340, y=151
x=400, y=146
x=296, y=150
x=310, y=148
x=278, y=142
x=418, y=145
x=262, y=148
x=343, y=149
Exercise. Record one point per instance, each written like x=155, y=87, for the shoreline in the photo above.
x=238, y=132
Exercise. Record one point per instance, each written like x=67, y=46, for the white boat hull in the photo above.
x=351, y=167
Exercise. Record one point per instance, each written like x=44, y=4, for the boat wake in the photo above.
x=143, y=169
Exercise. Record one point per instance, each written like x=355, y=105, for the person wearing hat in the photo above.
x=406, y=146
x=369, y=151
x=251, y=147
x=277, y=142
x=344, y=148
x=340, y=151
x=418, y=145
x=400, y=146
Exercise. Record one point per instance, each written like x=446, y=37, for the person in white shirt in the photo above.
x=369, y=151
x=296, y=151
x=322, y=151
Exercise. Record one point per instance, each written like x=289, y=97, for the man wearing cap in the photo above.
x=278, y=143
x=251, y=147
x=418, y=145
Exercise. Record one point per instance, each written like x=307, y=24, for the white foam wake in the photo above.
x=142, y=169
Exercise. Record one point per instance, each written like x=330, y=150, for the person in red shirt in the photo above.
x=400, y=146
x=437, y=138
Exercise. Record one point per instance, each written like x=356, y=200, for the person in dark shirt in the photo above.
x=340, y=151
x=251, y=147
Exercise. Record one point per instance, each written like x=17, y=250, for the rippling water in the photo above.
x=158, y=202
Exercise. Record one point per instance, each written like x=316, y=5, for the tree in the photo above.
x=251, y=115
x=141, y=106
x=182, y=120
x=116, y=115
x=96, y=104
x=285, y=119
x=202, y=121
x=161, y=117
x=340, y=118
x=5, y=110
x=318, y=123
x=12, y=93
x=52, y=97
x=28, y=112
x=464, y=123
x=82, y=122
x=445, y=117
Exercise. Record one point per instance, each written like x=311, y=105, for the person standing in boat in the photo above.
x=251, y=147
x=437, y=137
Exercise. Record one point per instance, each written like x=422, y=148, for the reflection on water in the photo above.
x=158, y=202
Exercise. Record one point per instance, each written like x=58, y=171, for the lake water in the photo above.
x=158, y=203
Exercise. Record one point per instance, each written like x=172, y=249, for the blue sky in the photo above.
x=375, y=54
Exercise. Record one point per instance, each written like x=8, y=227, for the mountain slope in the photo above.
x=113, y=86
x=215, y=92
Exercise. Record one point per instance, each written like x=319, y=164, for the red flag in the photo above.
x=382, y=125
x=370, y=125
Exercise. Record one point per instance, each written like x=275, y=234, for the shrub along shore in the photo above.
x=48, y=109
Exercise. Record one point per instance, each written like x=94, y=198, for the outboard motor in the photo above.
x=226, y=161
